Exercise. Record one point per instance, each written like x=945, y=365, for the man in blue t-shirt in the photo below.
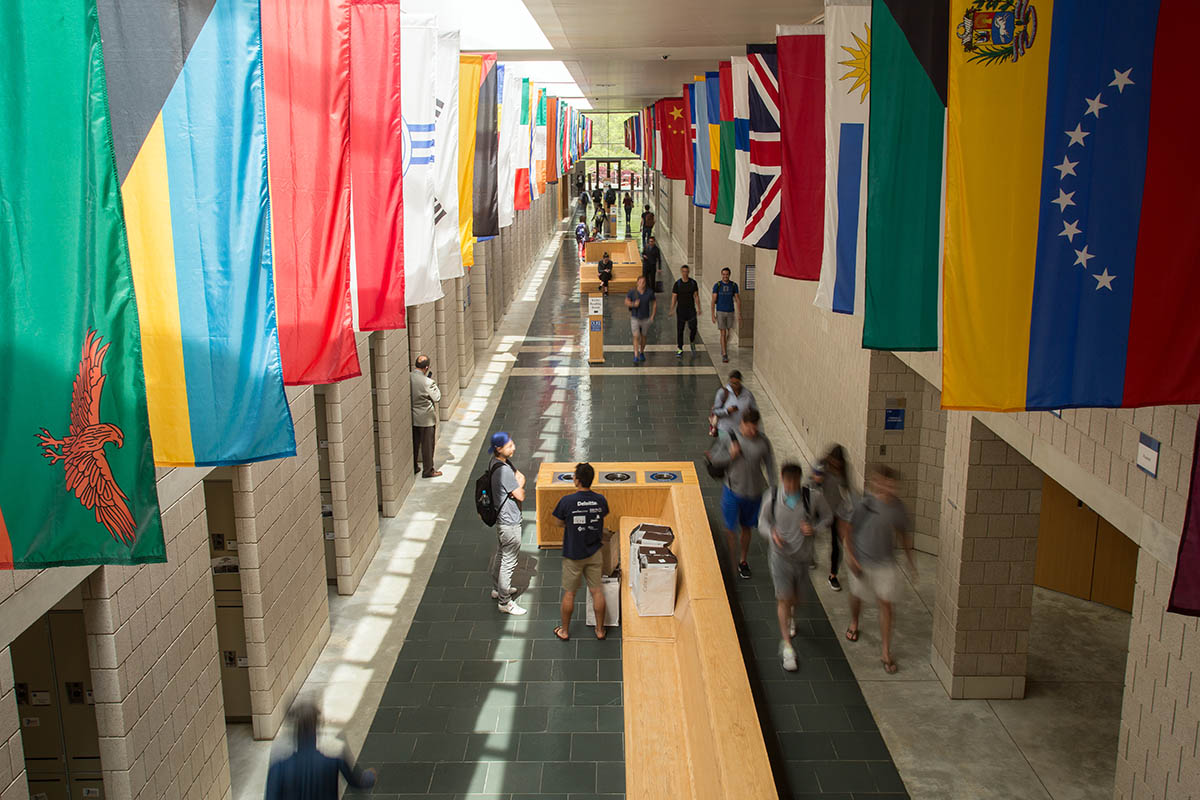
x=641, y=304
x=582, y=516
x=726, y=309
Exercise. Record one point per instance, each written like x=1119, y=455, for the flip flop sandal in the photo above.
x=851, y=636
x=601, y=634
x=890, y=667
x=561, y=634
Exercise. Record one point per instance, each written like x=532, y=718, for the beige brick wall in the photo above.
x=152, y=644
x=393, y=399
x=481, y=313
x=352, y=473
x=466, y=338
x=721, y=251
x=281, y=547
x=812, y=363
x=918, y=450
x=447, y=367
x=12, y=754
x=422, y=333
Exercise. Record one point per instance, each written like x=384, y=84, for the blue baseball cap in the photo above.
x=499, y=439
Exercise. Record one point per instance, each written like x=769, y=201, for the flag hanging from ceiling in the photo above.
x=724, y=192
x=539, y=144
x=306, y=70
x=740, y=79
x=1185, y=586
x=486, y=211
x=712, y=90
x=802, y=194
x=508, y=115
x=1067, y=280
x=418, y=68
x=689, y=112
x=376, y=159
x=193, y=145
x=905, y=200
x=470, y=69
x=847, y=112
x=703, y=164
x=446, y=244
x=524, y=149
x=672, y=135
x=551, y=140
x=762, y=199
x=77, y=479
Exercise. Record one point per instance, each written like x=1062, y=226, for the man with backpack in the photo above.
x=582, y=514
x=610, y=197
x=732, y=401
x=581, y=234
x=748, y=463
x=790, y=515
x=498, y=495
x=627, y=203
x=647, y=225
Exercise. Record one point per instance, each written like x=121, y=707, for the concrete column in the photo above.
x=466, y=338
x=352, y=481
x=746, y=257
x=988, y=545
x=393, y=403
x=152, y=645
x=12, y=753
x=481, y=302
x=281, y=546
x=696, y=221
x=499, y=291
x=446, y=367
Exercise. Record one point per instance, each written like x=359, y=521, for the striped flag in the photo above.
x=740, y=79
x=802, y=196
x=470, y=69
x=524, y=149
x=508, y=114
x=418, y=65
x=447, y=247
x=712, y=91
x=702, y=166
x=762, y=199
x=724, y=208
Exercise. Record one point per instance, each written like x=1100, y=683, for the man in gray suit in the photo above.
x=425, y=398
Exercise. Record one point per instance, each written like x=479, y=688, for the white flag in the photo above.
x=418, y=46
x=740, y=76
x=847, y=110
x=510, y=128
x=445, y=164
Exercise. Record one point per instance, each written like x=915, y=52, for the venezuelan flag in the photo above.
x=1071, y=261
x=190, y=133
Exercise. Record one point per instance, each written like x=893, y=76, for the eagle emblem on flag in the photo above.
x=994, y=31
x=82, y=449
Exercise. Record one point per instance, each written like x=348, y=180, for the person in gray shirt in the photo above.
x=508, y=484
x=830, y=475
x=870, y=530
x=790, y=515
x=425, y=398
x=749, y=465
x=732, y=401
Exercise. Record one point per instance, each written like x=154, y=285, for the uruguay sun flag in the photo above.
x=191, y=145
x=1071, y=265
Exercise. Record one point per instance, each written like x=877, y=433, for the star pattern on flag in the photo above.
x=1077, y=136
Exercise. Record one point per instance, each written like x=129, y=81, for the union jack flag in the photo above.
x=766, y=161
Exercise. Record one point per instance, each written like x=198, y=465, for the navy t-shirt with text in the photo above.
x=582, y=514
x=725, y=292
x=645, y=303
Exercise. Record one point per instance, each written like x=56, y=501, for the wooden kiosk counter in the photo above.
x=691, y=726
x=627, y=265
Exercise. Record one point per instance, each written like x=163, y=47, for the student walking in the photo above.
x=869, y=533
x=651, y=259
x=732, y=401
x=726, y=309
x=628, y=204
x=309, y=774
x=685, y=304
x=830, y=477
x=605, y=269
x=581, y=235
x=647, y=225
x=749, y=463
x=508, y=492
x=641, y=304
x=790, y=515
x=610, y=197
x=582, y=514
x=425, y=396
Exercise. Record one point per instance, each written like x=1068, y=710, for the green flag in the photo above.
x=77, y=474
x=909, y=45
x=728, y=158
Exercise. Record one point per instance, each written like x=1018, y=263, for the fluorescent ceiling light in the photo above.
x=485, y=24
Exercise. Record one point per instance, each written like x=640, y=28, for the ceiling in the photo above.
x=615, y=50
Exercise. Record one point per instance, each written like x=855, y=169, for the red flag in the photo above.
x=377, y=164
x=802, y=132
x=689, y=152
x=551, y=140
x=672, y=130
x=1185, y=588
x=306, y=71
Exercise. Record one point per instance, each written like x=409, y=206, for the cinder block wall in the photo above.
x=12, y=754
x=152, y=645
x=352, y=472
x=446, y=366
x=393, y=398
x=466, y=339
x=281, y=546
x=422, y=334
x=481, y=312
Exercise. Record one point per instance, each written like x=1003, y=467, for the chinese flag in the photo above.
x=671, y=118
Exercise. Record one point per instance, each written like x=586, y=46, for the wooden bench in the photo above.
x=624, y=278
x=620, y=250
x=691, y=726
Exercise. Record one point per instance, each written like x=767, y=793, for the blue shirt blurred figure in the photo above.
x=309, y=774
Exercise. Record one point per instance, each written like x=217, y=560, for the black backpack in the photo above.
x=485, y=505
x=713, y=470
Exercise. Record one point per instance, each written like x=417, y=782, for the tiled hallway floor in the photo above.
x=485, y=705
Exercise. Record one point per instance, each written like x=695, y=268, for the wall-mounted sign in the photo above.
x=751, y=278
x=893, y=419
x=1147, y=455
x=596, y=325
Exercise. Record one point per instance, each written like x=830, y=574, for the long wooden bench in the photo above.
x=624, y=278
x=691, y=726
x=621, y=250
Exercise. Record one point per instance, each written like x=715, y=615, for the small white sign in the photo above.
x=31, y=722
x=243, y=661
x=595, y=305
x=1147, y=455
x=39, y=698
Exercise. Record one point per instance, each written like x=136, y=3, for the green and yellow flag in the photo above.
x=76, y=472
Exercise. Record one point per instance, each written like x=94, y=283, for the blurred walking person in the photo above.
x=309, y=774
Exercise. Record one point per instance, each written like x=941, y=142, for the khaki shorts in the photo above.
x=639, y=326
x=587, y=568
x=725, y=320
x=877, y=582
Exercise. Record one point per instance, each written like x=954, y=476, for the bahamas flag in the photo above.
x=1071, y=255
x=905, y=174
x=191, y=146
x=77, y=476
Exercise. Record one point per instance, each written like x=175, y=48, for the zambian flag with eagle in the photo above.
x=77, y=482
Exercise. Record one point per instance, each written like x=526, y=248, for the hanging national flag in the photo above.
x=486, y=211
x=470, y=68
x=740, y=79
x=724, y=191
x=193, y=146
x=77, y=479
x=418, y=69
x=672, y=133
x=508, y=116
x=802, y=195
x=1185, y=586
x=703, y=164
x=539, y=144
x=551, y=140
x=1068, y=279
x=762, y=199
x=712, y=89
x=902, y=297
x=689, y=110
x=306, y=71
x=376, y=156
x=847, y=112
x=524, y=149
x=446, y=244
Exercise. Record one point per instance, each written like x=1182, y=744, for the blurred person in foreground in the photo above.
x=309, y=774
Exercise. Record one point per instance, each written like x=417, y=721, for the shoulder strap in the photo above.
x=804, y=496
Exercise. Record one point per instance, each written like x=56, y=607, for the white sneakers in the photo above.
x=790, y=662
x=511, y=607
x=792, y=629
